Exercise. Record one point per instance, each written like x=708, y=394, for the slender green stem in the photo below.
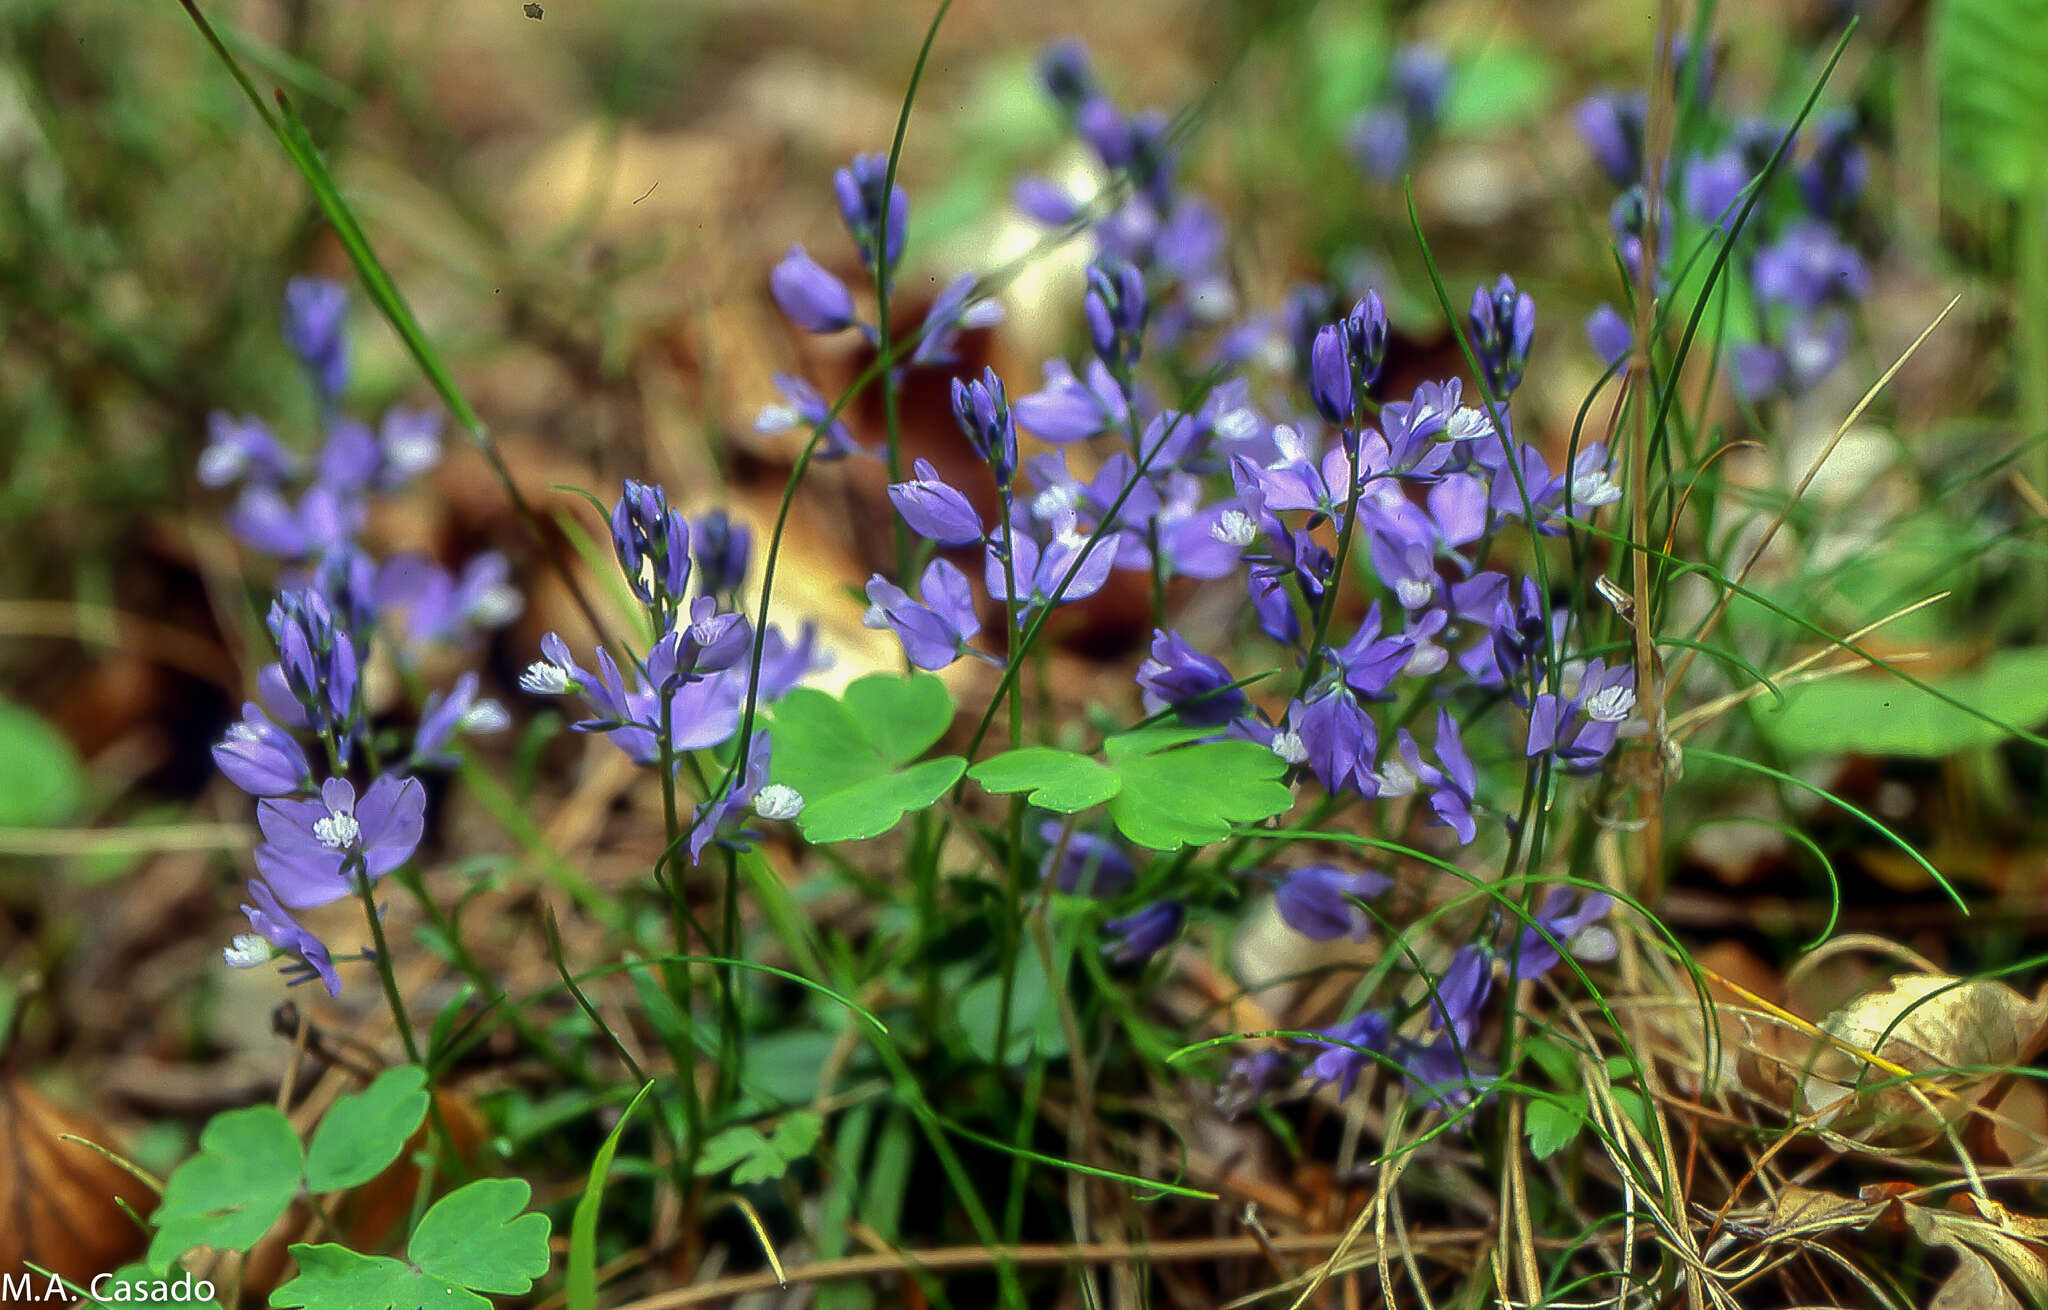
x=1013, y=901
x=358, y=876
x=679, y=923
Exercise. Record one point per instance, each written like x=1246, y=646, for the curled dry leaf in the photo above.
x=60, y=1200
x=1988, y=1240
x=1955, y=1036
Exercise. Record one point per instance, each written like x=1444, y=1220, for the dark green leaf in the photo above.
x=1192, y=795
x=1058, y=780
x=335, y=1278
x=476, y=1237
x=846, y=755
x=363, y=1133
x=1550, y=1127
x=229, y=1194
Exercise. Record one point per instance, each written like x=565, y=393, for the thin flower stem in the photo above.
x=359, y=877
x=1013, y=921
x=1313, y=664
x=679, y=924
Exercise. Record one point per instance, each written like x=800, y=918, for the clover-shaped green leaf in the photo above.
x=475, y=1239
x=361, y=1134
x=1190, y=795
x=229, y=1194
x=847, y=755
x=1061, y=781
x=755, y=1157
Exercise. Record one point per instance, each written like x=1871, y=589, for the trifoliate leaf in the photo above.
x=1061, y=781
x=755, y=1157
x=336, y=1278
x=1191, y=795
x=476, y=1237
x=1550, y=1127
x=846, y=756
x=363, y=1133
x=229, y=1194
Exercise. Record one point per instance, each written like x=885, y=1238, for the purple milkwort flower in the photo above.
x=316, y=328
x=1046, y=201
x=1571, y=916
x=1503, y=325
x=262, y=758
x=318, y=662
x=408, y=443
x=1316, y=901
x=1368, y=663
x=277, y=933
x=1069, y=410
x=935, y=632
x=811, y=296
x=1143, y=935
x=805, y=405
x=858, y=188
x=1195, y=686
x=556, y=673
x=709, y=643
x=312, y=849
x=785, y=663
x=1518, y=630
x=1629, y=218
x=460, y=711
x=1581, y=731
x=1831, y=179
x=1714, y=185
x=350, y=460
x=982, y=408
x=1758, y=371
x=1809, y=267
x=1453, y=788
x=1041, y=570
x=1088, y=863
x=1336, y=740
x=718, y=819
x=934, y=509
x=1329, y=372
x=1461, y=993
x=652, y=543
x=1349, y=1048
x=1422, y=79
x=1346, y=358
x=1116, y=309
x=949, y=315
x=1064, y=72
x=436, y=605
x=1250, y=1077
x=1381, y=143
x=238, y=448
x=264, y=519
x=1612, y=127
x=1444, y=1075
x=723, y=546
x=1307, y=308
x=1611, y=336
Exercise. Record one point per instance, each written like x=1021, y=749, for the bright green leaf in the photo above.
x=1992, y=62
x=1061, y=781
x=476, y=1237
x=1192, y=795
x=1502, y=84
x=1551, y=1127
x=1876, y=714
x=363, y=1133
x=1034, y=1018
x=846, y=755
x=229, y=1194
x=336, y=1278
x=41, y=778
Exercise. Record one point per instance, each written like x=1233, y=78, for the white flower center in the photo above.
x=1054, y=501
x=778, y=801
x=1593, y=490
x=247, y=951
x=1467, y=423
x=1292, y=449
x=875, y=618
x=486, y=715
x=337, y=831
x=1289, y=747
x=1238, y=424
x=544, y=679
x=495, y=606
x=1396, y=779
x=412, y=453
x=220, y=465
x=1234, y=527
x=774, y=419
x=1611, y=705
x=1414, y=593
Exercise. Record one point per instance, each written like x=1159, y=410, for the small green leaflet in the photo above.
x=229, y=1194
x=473, y=1240
x=1164, y=789
x=757, y=1158
x=363, y=1133
x=847, y=756
x=1551, y=1127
